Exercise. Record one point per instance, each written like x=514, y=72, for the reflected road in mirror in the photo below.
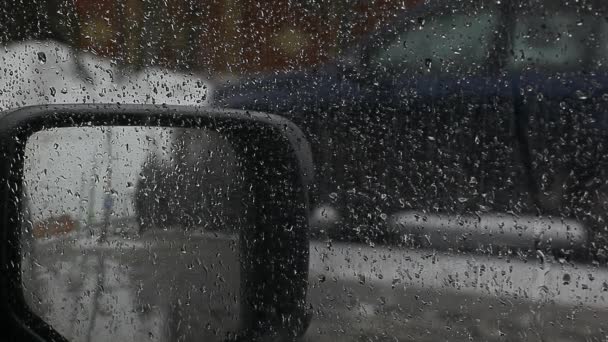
x=131, y=233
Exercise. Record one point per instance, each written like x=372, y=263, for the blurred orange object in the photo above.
x=54, y=226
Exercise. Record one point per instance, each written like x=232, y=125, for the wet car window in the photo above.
x=454, y=43
x=555, y=40
x=558, y=38
x=460, y=156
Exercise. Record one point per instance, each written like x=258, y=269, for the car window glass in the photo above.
x=446, y=43
x=556, y=40
x=460, y=156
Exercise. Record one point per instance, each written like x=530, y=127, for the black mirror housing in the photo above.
x=273, y=252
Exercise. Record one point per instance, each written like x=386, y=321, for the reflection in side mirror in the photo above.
x=153, y=222
x=132, y=233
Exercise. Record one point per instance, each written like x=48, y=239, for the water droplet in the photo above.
x=540, y=97
x=541, y=256
x=41, y=57
x=428, y=62
x=421, y=22
x=581, y=95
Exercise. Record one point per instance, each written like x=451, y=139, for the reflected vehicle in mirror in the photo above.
x=106, y=248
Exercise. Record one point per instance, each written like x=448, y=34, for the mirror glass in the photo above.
x=131, y=233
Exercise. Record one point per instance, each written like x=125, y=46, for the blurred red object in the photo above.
x=54, y=226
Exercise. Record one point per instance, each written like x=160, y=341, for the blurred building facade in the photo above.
x=227, y=36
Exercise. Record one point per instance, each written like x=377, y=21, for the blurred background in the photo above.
x=213, y=37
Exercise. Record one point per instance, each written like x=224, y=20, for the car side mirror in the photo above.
x=84, y=180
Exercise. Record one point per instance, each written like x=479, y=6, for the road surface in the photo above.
x=173, y=285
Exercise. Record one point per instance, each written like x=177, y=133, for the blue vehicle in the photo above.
x=481, y=107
